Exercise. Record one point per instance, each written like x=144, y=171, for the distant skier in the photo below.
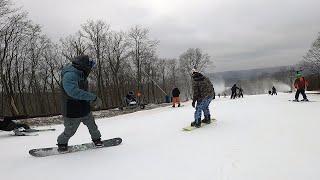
x=175, y=97
x=76, y=101
x=234, y=91
x=274, y=91
x=300, y=84
x=7, y=124
x=203, y=94
x=240, y=93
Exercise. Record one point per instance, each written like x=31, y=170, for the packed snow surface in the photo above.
x=258, y=137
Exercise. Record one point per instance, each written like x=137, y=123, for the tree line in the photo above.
x=311, y=64
x=30, y=64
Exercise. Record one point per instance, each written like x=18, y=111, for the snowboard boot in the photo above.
x=62, y=147
x=206, y=120
x=198, y=123
x=98, y=142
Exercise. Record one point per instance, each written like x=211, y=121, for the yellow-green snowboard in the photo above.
x=190, y=128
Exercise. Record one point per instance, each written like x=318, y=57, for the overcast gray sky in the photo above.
x=237, y=34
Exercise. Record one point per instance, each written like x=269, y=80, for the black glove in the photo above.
x=193, y=103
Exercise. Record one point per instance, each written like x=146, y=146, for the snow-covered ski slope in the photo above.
x=256, y=138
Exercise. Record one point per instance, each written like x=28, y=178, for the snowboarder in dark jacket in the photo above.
x=300, y=84
x=240, y=92
x=203, y=94
x=7, y=124
x=234, y=91
x=274, y=91
x=175, y=97
x=76, y=101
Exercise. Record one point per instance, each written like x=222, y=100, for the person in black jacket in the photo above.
x=274, y=91
x=203, y=94
x=7, y=123
x=175, y=97
x=234, y=91
x=240, y=92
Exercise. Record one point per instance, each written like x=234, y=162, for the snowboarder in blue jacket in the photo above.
x=76, y=101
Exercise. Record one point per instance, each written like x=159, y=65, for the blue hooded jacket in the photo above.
x=75, y=97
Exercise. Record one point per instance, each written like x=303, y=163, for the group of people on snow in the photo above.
x=77, y=101
x=300, y=85
x=273, y=91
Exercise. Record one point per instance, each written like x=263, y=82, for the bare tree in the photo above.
x=6, y=8
x=96, y=33
x=173, y=71
x=311, y=60
x=192, y=58
x=30, y=63
x=73, y=45
x=117, y=52
x=162, y=68
x=12, y=34
x=142, y=49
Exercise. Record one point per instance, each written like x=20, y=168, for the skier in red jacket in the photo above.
x=300, y=84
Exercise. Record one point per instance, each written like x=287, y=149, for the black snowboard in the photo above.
x=43, y=152
x=302, y=101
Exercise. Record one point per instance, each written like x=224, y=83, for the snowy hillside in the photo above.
x=256, y=138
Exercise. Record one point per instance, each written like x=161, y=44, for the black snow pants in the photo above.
x=303, y=92
x=233, y=94
x=9, y=125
